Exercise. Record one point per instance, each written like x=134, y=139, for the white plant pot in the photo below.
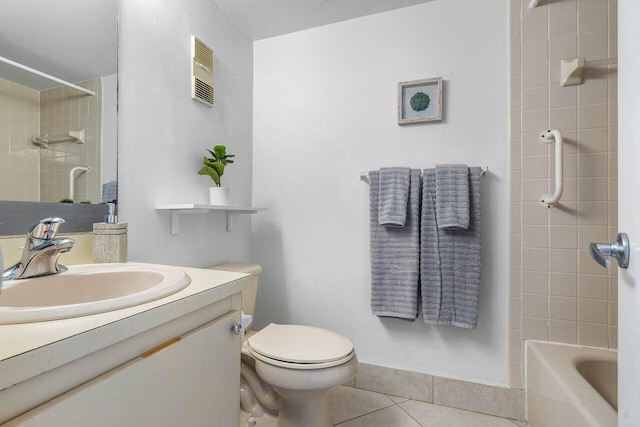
x=219, y=196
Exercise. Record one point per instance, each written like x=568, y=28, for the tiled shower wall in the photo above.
x=19, y=122
x=557, y=293
x=63, y=109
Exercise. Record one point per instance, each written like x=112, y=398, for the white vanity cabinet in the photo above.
x=171, y=362
x=189, y=381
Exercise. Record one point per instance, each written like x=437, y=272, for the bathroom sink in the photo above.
x=87, y=289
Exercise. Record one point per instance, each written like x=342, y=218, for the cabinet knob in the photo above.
x=236, y=329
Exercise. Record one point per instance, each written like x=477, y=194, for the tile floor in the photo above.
x=353, y=407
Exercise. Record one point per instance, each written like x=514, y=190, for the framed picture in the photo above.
x=420, y=101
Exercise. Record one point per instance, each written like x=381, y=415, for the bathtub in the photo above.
x=571, y=386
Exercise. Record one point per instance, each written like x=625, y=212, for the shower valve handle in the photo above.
x=618, y=250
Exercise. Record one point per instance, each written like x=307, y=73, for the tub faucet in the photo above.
x=41, y=251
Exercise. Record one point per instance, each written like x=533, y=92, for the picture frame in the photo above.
x=420, y=101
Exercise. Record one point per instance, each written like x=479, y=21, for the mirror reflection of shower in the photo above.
x=72, y=178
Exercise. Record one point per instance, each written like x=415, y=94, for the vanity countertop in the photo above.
x=28, y=349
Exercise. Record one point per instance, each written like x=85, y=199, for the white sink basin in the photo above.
x=87, y=289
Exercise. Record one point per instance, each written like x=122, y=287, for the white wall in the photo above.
x=163, y=133
x=325, y=110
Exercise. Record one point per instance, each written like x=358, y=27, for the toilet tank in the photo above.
x=249, y=294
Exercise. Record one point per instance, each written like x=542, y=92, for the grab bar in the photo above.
x=551, y=200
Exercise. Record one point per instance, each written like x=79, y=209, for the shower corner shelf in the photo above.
x=178, y=209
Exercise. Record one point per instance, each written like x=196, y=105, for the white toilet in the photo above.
x=301, y=363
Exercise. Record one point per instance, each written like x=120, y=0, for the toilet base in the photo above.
x=314, y=412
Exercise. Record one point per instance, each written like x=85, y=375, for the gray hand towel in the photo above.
x=395, y=255
x=393, y=196
x=452, y=196
x=450, y=260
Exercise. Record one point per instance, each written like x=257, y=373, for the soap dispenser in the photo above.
x=110, y=238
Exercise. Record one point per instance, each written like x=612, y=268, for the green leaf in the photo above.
x=220, y=150
x=219, y=167
x=210, y=172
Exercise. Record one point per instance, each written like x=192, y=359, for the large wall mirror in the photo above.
x=58, y=144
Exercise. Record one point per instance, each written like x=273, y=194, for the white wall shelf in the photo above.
x=176, y=210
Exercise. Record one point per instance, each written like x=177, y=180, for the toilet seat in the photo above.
x=300, y=347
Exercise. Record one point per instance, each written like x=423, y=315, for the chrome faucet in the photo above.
x=41, y=251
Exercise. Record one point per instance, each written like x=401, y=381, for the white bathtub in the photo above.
x=571, y=386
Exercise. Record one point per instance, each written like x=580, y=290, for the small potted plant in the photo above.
x=213, y=167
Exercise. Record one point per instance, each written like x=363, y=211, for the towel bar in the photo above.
x=364, y=176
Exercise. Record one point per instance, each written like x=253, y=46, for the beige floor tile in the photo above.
x=392, y=416
x=397, y=399
x=520, y=423
x=348, y=403
x=430, y=415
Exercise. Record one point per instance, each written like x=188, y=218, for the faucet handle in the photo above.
x=46, y=229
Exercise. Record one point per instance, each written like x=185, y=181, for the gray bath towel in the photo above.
x=393, y=196
x=452, y=196
x=395, y=255
x=450, y=260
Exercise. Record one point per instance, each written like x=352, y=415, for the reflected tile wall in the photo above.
x=62, y=110
x=557, y=292
x=19, y=122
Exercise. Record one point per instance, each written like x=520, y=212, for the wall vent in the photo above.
x=202, y=64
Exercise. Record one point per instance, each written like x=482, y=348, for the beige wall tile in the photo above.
x=593, y=165
x=563, y=331
x=515, y=352
x=593, y=335
x=562, y=6
x=535, y=29
x=590, y=234
x=535, y=282
x=412, y=385
x=515, y=123
x=514, y=281
x=535, y=98
x=534, y=329
x=591, y=4
x=588, y=265
x=564, y=118
x=593, y=116
x=594, y=286
x=563, y=237
x=535, y=306
x=564, y=214
x=593, y=189
x=535, y=75
x=591, y=45
x=594, y=311
x=563, y=261
x=499, y=401
x=594, y=140
x=563, y=48
x=534, y=121
x=613, y=313
x=594, y=91
x=535, y=53
x=563, y=284
x=515, y=375
x=535, y=259
x=593, y=213
x=613, y=288
x=534, y=236
x=515, y=313
x=514, y=220
x=515, y=191
x=532, y=146
x=563, y=308
x=515, y=59
x=613, y=337
x=532, y=189
x=563, y=25
x=562, y=96
x=535, y=167
x=593, y=20
x=515, y=92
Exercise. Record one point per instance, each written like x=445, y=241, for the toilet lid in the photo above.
x=300, y=344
